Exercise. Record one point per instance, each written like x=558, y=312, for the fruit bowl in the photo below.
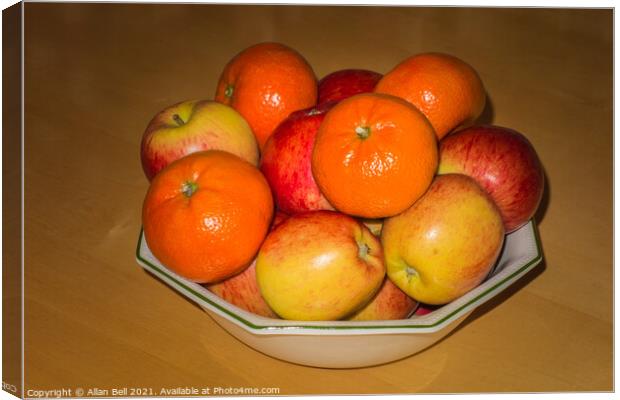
x=352, y=344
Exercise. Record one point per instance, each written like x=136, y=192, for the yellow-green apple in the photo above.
x=389, y=303
x=192, y=126
x=242, y=290
x=446, y=243
x=503, y=162
x=345, y=83
x=286, y=162
x=319, y=265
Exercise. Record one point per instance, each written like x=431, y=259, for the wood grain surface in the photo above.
x=96, y=73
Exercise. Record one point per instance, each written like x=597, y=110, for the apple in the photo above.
x=192, y=126
x=424, y=309
x=286, y=162
x=446, y=243
x=278, y=218
x=242, y=291
x=319, y=265
x=389, y=303
x=345, y=83
x=503, y=162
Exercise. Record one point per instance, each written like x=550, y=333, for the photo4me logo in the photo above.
x=233, y=391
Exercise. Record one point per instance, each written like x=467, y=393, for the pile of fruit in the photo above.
x=356, y=197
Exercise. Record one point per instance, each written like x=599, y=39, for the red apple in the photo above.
x=345, y=83
x=278, y=218
x=503, y=162
x=286, y=162
x=424, y=309
x=242, y=290
x=192, y=126
x=389, y=303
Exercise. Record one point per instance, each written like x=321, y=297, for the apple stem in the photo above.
x=178, y=119
x=362, y=132
x=229, y=91
x=410, y=272
x=189, y=188
x=363, y=250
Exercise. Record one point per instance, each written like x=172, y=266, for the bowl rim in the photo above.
x=260, y=325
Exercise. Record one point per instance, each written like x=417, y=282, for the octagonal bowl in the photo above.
x=352, y=344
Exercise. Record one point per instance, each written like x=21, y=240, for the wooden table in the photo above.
x=96, y=73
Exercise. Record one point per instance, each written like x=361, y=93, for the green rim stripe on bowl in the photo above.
x=314, y=327
x=535, y=260
x=192, y=291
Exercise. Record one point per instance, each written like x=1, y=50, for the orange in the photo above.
x=205, y=215
x=265, y=83
x=445, y=88
x=374, y=155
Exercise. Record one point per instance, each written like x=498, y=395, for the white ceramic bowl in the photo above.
x=349, y=344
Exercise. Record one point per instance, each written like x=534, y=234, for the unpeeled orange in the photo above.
x=206, y=215
x=374, y=155
x=445, y=88
x=265, y=83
